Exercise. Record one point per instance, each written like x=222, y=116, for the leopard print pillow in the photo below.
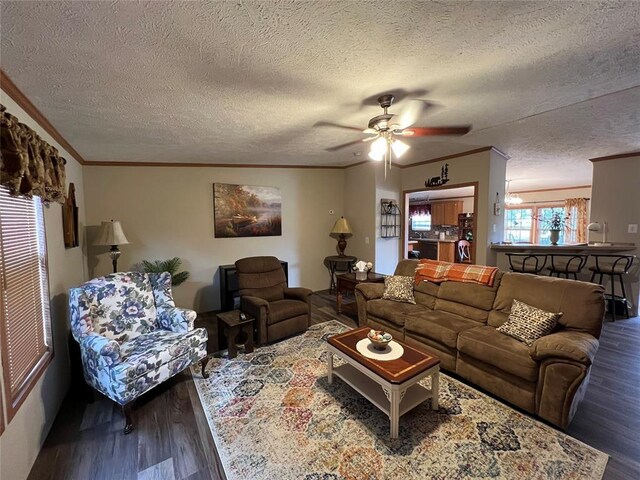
x=399, y=289
x=527, y=323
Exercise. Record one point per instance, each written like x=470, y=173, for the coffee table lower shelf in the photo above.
x=392, y=399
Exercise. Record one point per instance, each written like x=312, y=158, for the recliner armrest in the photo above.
x=175, y=319
x=371, y=291
x=297, y=293
x=579, y=347
x=253, y=306
x=105, y=350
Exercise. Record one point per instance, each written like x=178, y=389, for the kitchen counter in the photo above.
x=567, y=248
x=434, y=240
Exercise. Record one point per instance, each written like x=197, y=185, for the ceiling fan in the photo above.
x=385, y=129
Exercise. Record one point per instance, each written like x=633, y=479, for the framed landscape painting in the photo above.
x=246, y=211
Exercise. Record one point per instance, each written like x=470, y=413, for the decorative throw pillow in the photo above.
x=527, y=323
x=399, y=289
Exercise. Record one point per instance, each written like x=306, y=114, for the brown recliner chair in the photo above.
x=279, y=311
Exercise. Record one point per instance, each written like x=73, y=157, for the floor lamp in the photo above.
x=111, y=234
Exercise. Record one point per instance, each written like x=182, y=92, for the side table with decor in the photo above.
x=346, y=284
x=238, y=328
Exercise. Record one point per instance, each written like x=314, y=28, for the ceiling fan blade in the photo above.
x=410, y=112
x=345, y=145
x=337, y=125
x=434, y=131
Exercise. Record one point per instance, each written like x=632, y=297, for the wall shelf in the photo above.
x=389, y=219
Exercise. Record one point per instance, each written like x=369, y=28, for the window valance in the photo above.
x=28, y=165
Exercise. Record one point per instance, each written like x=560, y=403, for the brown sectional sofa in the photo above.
x=457, y=321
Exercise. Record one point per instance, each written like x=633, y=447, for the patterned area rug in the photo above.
x=274, y=416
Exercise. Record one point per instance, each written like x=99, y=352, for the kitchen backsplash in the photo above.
x=450, y=231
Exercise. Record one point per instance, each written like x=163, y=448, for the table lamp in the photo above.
x=342, y=230
x=111, y=234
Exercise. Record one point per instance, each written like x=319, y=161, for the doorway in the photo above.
x=440, y=223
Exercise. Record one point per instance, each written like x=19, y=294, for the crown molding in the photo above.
x=108, y=163
x=614, y=157
x=21, y=99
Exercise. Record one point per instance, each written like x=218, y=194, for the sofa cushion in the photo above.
x=284, y=309
x=426, y=293
x=440, y=326
x=582, y=303
x=394, y=312
x=468, y=300
x=501, y=351
x=527, y=323
x=399, y=289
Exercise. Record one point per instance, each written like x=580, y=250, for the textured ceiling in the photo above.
x=549, y=83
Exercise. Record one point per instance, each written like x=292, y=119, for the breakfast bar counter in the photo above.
x=579, y=248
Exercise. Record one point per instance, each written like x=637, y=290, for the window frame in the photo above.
x=535, y=224
x=532, y=230
x=15, y=401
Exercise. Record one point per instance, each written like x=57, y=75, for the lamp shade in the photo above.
x=111, y=234
x=341, y=227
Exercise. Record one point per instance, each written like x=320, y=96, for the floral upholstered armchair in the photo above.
x=132, y=336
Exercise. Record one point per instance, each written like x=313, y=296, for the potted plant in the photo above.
x=172, y=265
x=555, y=224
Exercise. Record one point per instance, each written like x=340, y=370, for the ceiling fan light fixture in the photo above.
x=378, y=149
x=399, y=148
x=377, y=156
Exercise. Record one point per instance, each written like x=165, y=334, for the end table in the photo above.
x=346, y=283
x=234, y=328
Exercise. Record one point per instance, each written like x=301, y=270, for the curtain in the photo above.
x=28, y=165
x=576, y=210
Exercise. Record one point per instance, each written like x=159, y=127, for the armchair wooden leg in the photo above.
x=128, y=423
x=203, y=364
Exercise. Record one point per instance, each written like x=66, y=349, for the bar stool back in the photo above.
x=567, y=264
x=613, y=266
x=526, y=263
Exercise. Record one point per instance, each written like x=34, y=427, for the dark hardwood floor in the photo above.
x=172, y=439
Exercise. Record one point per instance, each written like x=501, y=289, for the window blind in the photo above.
x=24, y=299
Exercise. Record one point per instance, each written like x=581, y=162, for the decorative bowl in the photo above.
x=379, y=338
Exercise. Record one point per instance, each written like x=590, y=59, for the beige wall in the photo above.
x=168, y=212
x=359, y=197
x=23, y=437
x=488, y=169
x=615, y=198
x=387, y=188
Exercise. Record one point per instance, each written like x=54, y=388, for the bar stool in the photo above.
x=526, y=263
x=573, y=265
x=613, y=266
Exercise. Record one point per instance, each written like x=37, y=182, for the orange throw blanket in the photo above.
x=437, y=272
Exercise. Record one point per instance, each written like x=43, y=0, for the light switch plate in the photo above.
x=632, y=228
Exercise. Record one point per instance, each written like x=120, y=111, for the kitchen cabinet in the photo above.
x=437, y=213
x=447, y=251
x=446, y=213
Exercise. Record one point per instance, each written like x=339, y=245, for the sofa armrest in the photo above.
x=104, y=350
x=371, y=291
x=175, y=319
x=579, y=347
x=297, y=293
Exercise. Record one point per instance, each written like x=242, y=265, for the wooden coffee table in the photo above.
x=391, y=385
x=346, y=283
